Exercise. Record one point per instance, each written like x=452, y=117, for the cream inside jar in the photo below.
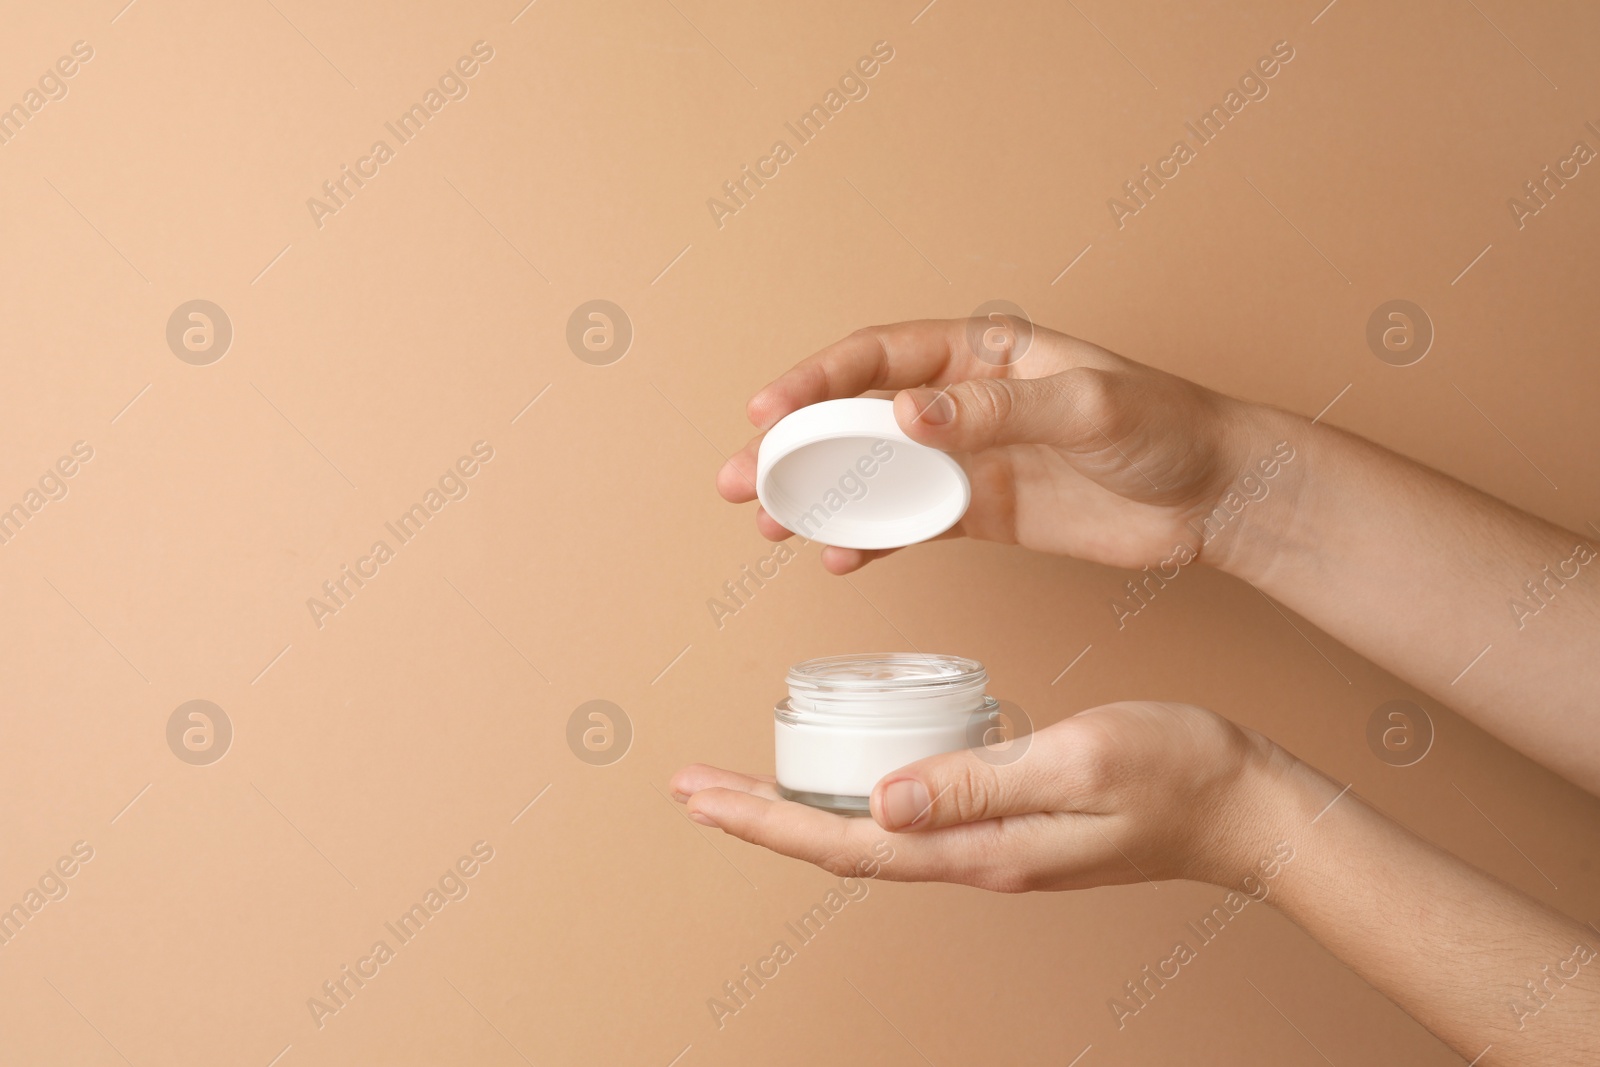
x=850, y=720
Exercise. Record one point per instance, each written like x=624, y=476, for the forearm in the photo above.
x=1421, y=574
x=1476, y=962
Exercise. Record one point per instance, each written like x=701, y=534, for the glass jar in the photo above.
x=850, y=720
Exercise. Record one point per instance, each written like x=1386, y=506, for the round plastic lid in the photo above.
x=843, y=473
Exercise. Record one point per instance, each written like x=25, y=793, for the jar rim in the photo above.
x=855, y=715
x=886, y=672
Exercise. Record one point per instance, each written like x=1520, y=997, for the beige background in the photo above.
x=370, y=353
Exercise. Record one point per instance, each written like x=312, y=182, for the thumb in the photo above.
x=1070, y=408
x=957, y=787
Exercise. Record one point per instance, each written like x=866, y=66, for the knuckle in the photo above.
x=994, y=863
x=879, y=337
x=1090, y=394
x=971, y=792
x=840, y=856
x=988, y=401
x=1096, y=763
x=837, y=862
x=996, y=870
x=862, y=333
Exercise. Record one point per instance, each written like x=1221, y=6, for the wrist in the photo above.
x=1249, y=525
x=1257, y=810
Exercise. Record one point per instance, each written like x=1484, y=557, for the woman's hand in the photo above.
x=1136, y=791
x=1116, y=794
x=1070, y=449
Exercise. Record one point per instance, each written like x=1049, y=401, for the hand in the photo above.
x=1072, y=449
x=1116, y=794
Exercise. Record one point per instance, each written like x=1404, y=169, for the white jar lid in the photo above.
x=843, y=473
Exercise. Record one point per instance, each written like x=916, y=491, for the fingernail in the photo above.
x=905, y=802
x=703, y=819
x=681, y=798
x=934, y=407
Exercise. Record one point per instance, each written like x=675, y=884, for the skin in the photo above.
x=1075, y=450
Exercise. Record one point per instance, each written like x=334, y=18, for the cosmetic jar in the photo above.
x=850, y=720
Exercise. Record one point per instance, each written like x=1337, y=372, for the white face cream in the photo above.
x=850, y=720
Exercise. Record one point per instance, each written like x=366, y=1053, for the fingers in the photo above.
x=1070, y=409
x=1048, y=849
x=936, y=352
x=835, y=560
x=878, y=357
x=969, y=404
x=856, y=847
x=841, y=561
x=769, y=527
x=750, y=808
x=905, y=354
x=736, y=480
x=698, y=776
x=958, y=787
x=827, y=840
x=845, y=560
x=1056, y=772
